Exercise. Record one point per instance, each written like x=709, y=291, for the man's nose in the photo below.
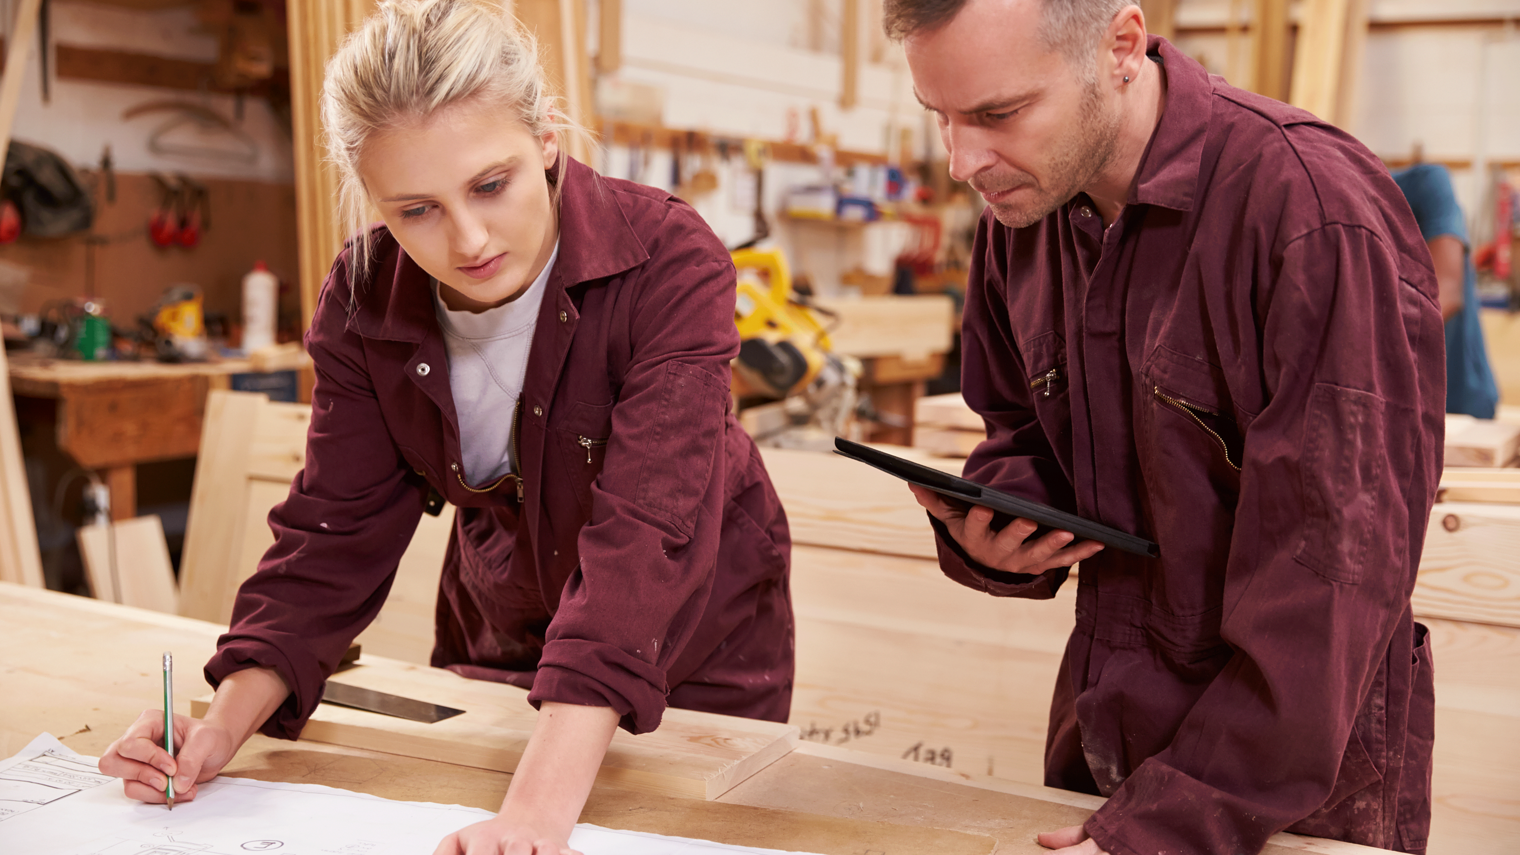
x=969, y=151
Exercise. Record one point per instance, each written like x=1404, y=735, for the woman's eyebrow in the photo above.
x=413, y=197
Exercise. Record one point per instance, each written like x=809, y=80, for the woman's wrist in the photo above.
x=245, y=700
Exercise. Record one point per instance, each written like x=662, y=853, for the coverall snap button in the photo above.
x=1085, y=211
x=538, y=411
x=564, y=316
x=423, y=369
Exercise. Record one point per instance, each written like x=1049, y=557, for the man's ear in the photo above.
x=1126, y=41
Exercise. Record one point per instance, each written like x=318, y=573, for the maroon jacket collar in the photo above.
x=596, y=241
x=1169, y=170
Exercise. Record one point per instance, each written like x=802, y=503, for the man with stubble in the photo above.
x=1206, y=318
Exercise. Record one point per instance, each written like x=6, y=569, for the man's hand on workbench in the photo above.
x=139, y=758
x=1009, y=549
x=503, y=835
x=1070, y=841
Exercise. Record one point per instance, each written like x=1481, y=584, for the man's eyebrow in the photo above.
x=1000, y=103
x=995, y=104
x=413, y=197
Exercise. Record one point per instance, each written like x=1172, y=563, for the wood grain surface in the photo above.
x=1470, y=569
x=692, y=754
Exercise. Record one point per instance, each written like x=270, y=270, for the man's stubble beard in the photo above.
x=1079, y=158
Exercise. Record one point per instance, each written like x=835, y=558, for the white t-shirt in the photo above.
x=488, y=361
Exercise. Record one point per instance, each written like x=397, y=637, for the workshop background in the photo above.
x=168, y=220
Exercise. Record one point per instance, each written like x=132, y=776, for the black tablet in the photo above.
x=971, y=492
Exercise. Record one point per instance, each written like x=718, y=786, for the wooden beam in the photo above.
x=317, y=27
x=849, y=54
x=560, y=27
x=1269, y=42
x=1160, y=17
x=1317, y=58
x=20, y=560
x=609, y=42
x=134, y=570
x=1353, y=58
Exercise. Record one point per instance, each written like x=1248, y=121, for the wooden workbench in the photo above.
x=112, y=416
x=82, y=670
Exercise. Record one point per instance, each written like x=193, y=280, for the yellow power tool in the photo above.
x=783, y=346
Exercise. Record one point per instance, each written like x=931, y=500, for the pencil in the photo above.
x=169, y=722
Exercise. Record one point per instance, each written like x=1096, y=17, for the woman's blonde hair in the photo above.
x=412, y=58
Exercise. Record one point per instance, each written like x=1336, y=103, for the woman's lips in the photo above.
x=485, y=270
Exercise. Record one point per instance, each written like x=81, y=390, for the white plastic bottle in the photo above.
x=260, y=301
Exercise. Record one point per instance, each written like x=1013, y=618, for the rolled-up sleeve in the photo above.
x=1016, y=457
x=1339, y=472
x=648, y=556
x=339, y=535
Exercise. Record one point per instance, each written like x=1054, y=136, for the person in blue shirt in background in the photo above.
x=1470, y=385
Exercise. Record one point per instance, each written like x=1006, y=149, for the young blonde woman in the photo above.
x=548, y=350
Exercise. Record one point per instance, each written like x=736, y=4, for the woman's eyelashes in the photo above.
x=490, y=188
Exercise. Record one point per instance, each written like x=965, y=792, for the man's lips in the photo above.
x=993, y=197
x=484, y=270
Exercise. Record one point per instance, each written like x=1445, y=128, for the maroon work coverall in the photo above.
x=647, y=563
x=1246, y=368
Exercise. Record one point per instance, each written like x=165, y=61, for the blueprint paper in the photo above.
x=55, y=802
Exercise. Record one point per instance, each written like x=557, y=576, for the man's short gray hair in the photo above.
x=1072, y=27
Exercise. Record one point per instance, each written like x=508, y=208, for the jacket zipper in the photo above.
x=588, y=443
x=1192, y=410
x=1046, y=381
x=516, y=429
x=516, y=435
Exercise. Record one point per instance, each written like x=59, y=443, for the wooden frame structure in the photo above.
x=20, y=559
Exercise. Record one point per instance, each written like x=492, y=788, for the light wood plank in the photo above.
x=1269, y=47
x=1480, y=442
x=834, y=501
x=609, y=50
x=692, y=754
x=1160, y=17
x=1470, y=568
x=849, y=53
x=216, y=500
x=947, y=442
x=20, y=559
x=1317, y=57
x=1461, y=484
x=135, y=569
x=317, y=28
x=949, y=410
x=912, y=327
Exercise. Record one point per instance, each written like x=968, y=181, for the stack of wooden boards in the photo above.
x=945, y=426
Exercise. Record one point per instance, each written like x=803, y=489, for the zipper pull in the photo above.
x=1046, y=380
x=588, y=443
x=519, y=490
